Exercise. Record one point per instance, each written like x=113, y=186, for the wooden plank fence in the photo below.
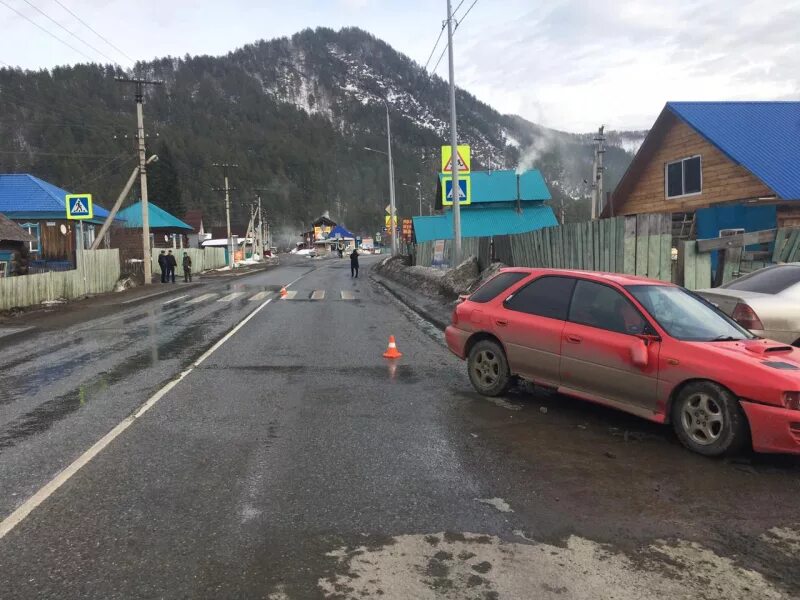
x=640, y=245
x=102, y=273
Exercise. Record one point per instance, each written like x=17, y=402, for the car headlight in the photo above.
x=791, y=400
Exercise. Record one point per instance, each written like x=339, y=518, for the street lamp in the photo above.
x=417, y=187
x=392, y=214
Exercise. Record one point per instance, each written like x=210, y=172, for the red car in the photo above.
x=646, y=347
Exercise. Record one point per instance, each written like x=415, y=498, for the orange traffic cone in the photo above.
x=392, y=351
x=284, y=293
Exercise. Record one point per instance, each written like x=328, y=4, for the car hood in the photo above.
x=772, y=356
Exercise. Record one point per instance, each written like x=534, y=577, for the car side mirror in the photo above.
x=463, y=298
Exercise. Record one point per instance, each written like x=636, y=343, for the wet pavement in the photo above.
x=296, y=462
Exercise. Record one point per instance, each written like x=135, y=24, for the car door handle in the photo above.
x=574, y=339
x=501, y=322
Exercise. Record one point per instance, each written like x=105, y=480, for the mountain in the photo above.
x=295, y=115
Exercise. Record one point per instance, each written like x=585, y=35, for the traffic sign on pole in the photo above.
x=465, y=190
x=79, y=207
x=464, y=159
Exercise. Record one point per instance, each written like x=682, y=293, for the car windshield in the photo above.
x=772, y=280
x=685, y=316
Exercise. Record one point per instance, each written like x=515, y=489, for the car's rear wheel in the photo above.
x=708, y=419
x=488, y=369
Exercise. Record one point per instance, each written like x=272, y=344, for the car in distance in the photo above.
x=646, y=347
x=767, y=302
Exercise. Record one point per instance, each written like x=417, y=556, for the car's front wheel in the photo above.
x=488, y=369
x=708, y=419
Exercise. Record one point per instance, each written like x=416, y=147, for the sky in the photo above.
x=568, y=64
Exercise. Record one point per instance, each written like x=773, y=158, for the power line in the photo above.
x=90, y=28
x=52, y=20
x=438, y=39
x=458, y=24
x=48, y=32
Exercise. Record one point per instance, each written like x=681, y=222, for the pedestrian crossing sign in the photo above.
x=464, y=190
x=463, y=156
x=79, y=207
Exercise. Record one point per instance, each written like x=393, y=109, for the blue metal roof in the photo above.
x=763, y=137
x=157, y=217
x=23, y=196
x=485, y=221
x=341, y=231
x=501, y=186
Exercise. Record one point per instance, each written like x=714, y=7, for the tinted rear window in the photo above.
x=492, y=288
x=767, y=281
x=546, y=297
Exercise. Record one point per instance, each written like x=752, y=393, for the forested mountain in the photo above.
x=294, y=113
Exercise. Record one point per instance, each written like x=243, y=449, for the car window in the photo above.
x=686, y=316
x=601, y=306
x=499, y=283
x=772, y=280
x=546, y=297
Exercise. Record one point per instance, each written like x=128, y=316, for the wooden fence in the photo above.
x=640, y=245
x=203, y=259
x=102, y=272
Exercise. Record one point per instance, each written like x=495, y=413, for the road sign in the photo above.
x=465, y=190
x=79, y=207
x=388, y=220
x=464, y=159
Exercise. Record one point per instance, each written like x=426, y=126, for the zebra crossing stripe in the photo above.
x=318, y=295
x=202, y=298
x=348, y=295
x=231, y=297
x=290, y=295
x=259, y=297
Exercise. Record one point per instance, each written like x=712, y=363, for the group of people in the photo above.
x=168, y=263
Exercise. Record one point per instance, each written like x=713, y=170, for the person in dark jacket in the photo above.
x=171, y=264
x=354, y=263
x=162, y=264
x=187, y=268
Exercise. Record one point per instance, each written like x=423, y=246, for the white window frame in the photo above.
x=683, y=177
x=28, y=228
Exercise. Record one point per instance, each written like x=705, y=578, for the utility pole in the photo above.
x=597, y=173
x=454, y=141
x=140, y=85
x=393, y=215
x=227, y=190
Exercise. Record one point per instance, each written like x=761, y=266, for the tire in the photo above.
x=488, y=370
x=708, y=420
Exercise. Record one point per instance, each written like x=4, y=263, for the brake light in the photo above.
x=746, y=317
x=791, y=400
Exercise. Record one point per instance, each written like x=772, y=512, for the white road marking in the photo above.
x=231, y=297
x=348, y=295
x=140, y=298
x=318, y=295
x=202, y=298
x=27, y=507
x=175, y=299
x=259, y=296
x=290, y=295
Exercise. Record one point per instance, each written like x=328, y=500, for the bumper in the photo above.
x=773, y=429
x=456, y=341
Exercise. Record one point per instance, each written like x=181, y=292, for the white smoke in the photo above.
x=544, y=142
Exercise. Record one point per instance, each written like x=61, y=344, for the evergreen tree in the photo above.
x=163, y=183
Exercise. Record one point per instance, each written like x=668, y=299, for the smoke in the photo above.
x=544, y=143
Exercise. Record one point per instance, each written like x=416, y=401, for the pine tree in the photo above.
x=163, y=183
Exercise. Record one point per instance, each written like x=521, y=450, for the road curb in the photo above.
x=440, y=321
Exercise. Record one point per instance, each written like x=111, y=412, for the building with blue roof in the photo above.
x=719, y=165
x=40, y=208
x=166, y=230
x=503, y=203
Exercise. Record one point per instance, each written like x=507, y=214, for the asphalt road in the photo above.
x=296, y=462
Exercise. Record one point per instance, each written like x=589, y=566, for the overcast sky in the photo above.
x=568, y=64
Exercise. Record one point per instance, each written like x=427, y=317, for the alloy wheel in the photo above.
x=702, y=419
x=486, y=368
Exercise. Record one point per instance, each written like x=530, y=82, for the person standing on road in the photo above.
x=187, y=268
x=354, y=263
x=171, y=264
x=162, y=264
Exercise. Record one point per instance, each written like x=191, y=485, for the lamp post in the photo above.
x=417, y=187
x=388, y=153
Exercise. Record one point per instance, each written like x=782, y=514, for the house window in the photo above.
x=33, y=229
x=684, y=177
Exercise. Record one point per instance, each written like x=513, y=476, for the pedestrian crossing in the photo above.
x=260, y=296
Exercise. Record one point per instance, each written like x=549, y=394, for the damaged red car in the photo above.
x=646, y=347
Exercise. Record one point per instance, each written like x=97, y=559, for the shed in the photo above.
x=14, y=250
x=166, y=229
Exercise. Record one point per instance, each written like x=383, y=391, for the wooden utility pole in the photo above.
x=227, y=190
x=140, y=85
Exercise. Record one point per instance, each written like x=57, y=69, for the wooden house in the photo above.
x=14, y=248
x=39, y=208
x=717, y=166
